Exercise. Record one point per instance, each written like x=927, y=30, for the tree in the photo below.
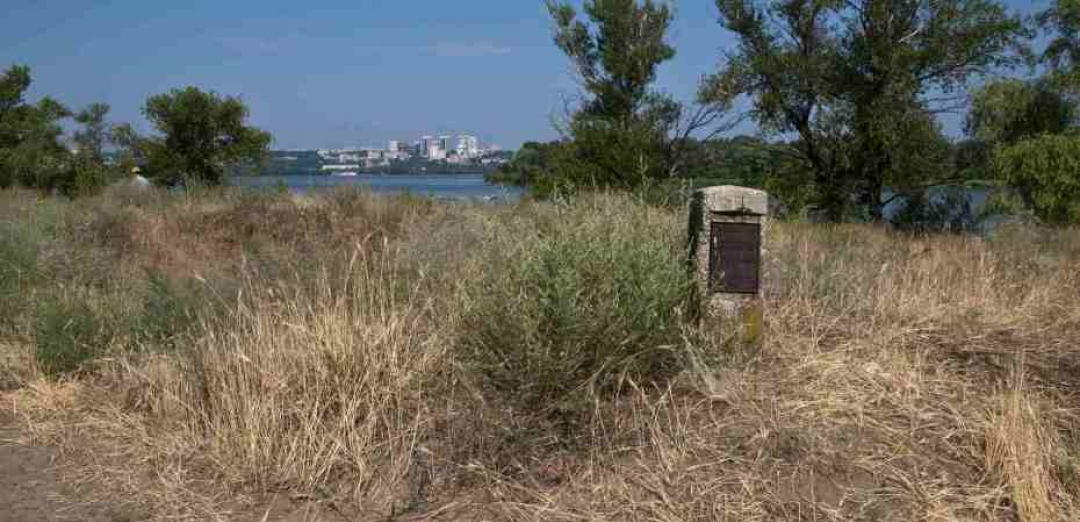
x=1045, y=173
x=202, y=137
x=860, y=82
x=86, y=173
x=1007, y=111
x=1062, y=54
x=31, y=153
x=624, y=132
x=529, y=166
x=95, y=133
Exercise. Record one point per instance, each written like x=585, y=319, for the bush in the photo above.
x=575, y=301
x=25, y=230
x=69, y=332
x=18, y=263
x=169, y=309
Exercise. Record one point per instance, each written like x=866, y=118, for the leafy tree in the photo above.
x=202, y=137
x=859, y=83
x=530, y=165
x=1062, y=54
x=624, y=132
x=1045, y=173
x=86, y=172
x=31, y=153
x=1010, y=110
x=95, y=133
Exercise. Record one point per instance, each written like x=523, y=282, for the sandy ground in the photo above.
x=29, y=488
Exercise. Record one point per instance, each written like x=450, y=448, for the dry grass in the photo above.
x=903, y=378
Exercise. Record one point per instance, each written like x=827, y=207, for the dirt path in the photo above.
x=29, y=488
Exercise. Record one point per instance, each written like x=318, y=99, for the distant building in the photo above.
x=426, y=144
x=394, y=146
x=468, y=146
x=436, y=152
x=444, y=143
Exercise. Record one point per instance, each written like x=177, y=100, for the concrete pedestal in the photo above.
x=727, y=230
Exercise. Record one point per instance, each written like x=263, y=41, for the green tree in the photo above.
x=1045, y=173
x=859, y=83
x=94, y=134
x=529, y=166
x=1007, y=111
x=1062, y=53
x=624, y=132
x=31, y=152
x=202, y=137
x=86, y=173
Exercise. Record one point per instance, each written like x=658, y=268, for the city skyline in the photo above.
x=464, y=144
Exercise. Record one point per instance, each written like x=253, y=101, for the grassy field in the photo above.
x=231, y=356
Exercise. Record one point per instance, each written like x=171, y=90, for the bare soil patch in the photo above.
x=29, y=485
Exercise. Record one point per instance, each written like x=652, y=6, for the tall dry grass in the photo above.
x=903, y=377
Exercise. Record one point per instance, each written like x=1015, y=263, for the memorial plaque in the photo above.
x=735, y=258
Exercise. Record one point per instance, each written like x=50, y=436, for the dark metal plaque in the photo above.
x=735, y=258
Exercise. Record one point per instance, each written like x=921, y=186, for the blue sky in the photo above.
x=332, y=73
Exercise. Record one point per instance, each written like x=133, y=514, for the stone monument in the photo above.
x=727, y=228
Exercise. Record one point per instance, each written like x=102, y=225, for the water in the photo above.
x=442, y=186
x=473, y=186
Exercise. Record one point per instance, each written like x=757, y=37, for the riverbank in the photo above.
x=346, y=356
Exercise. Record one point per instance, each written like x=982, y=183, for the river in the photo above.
x=443, y=186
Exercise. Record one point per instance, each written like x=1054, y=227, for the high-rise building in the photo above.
x=425, y=145
x=394, y=145
x=444, y=143
x=468, y=146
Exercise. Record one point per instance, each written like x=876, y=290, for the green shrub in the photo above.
x=576, y=299
x=28, y=226
x=18, y=263
x=69, y=332
x=169, y=309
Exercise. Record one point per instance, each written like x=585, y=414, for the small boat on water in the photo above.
x=346, y=174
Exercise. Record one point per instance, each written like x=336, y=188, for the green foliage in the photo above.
x=531, y=164
x=69, y=333
x=18, y=271
x=95, y=133
x=170, y=308
x=854, y=81
x=203, y=137
x=620, y=134
x=576, y=301
x=1062, y=53
x=1007, y=111
x=606, y=154
x=31, y=154
x=1045, y=173
x=84, y=176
